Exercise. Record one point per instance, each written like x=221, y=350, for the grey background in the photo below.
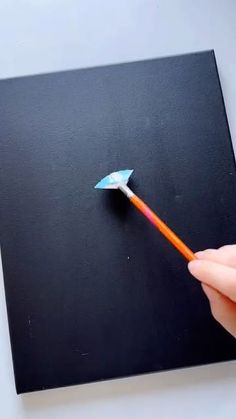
x=39, y=36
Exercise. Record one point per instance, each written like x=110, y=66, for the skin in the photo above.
x=216, y=270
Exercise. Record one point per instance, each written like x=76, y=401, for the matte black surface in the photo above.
x=93, y=290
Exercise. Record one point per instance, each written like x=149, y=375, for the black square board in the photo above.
x=93, y=291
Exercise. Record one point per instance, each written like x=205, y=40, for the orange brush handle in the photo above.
x=163, y=228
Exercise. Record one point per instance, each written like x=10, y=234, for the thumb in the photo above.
x=223, y=309
x=217, y=276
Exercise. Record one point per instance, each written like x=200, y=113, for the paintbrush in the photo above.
x=119, y=180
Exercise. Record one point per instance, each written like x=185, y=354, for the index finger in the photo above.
x=220, y=277
x=225, y=255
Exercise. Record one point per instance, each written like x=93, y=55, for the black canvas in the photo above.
x=93, y=291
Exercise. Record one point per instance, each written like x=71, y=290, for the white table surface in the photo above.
x=39, y=36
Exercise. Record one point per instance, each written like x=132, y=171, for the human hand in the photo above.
x=216, y=270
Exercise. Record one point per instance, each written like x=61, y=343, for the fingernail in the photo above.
x=200, y=254
x=203, y=254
